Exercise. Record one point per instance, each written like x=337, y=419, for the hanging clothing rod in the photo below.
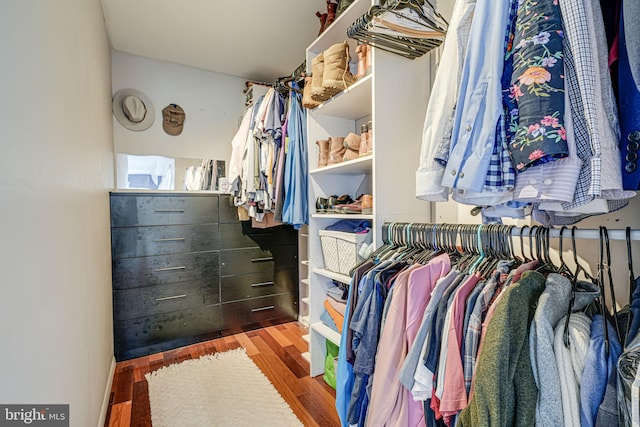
x=580, y=233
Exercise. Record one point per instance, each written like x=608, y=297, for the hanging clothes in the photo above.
x=266, y=177
x=295, y=210
x=548, y=145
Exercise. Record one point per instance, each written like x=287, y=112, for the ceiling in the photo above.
x=254, y=39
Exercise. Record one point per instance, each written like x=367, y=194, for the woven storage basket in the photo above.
x=340, y=250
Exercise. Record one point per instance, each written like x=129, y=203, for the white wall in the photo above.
x=213, y=103
x=55, y=172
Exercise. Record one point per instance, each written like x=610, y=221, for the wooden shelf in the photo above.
x=342, y=278
x=326, y=332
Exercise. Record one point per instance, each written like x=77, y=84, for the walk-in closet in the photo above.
x=408, y=213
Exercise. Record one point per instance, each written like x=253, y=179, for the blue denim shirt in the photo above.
x=479, y=104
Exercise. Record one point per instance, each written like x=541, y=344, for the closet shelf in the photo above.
x=306, y=300
x=306, y=356
x=305, y=320
x=360, y=166
x=352, y=103
x=306, y=337
x=305, y=281
x=305, y=262
x=342, y=278
x=341, y=216
x=326, y=332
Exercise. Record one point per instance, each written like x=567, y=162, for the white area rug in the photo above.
x=224, y=389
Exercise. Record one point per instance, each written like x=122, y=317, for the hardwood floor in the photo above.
x=275, y=349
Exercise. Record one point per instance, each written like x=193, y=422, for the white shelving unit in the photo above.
x=303, y=274
x=394, y=96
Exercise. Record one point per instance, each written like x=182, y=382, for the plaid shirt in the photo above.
x=474, y=329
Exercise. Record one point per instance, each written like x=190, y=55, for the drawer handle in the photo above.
x=265, y=259
x=257, y=285
x=173, y=297
x=269, y=307
x=171, y=268
x=168, y=210
x=170, y=239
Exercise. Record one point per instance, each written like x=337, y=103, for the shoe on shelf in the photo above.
x=362, y=205
x=337, y=150
x=336, y=75
x=350, y=154
x=323, y=152
x=367, y=204
x=352, y=141
x=318, y=93
x=322, y=205
x=335, y=203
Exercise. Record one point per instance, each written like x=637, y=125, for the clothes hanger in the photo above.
x=524, y=255
x=574, y=282
x=632, y=276
x=614, y=305
x=603, y=302
x=564, y=268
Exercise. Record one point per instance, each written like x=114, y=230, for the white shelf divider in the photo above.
x=326, y=332
x=342, y=278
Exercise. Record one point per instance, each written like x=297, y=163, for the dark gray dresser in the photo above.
x=186, y=270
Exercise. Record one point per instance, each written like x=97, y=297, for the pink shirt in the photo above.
x=392, y=404
x=454, y=395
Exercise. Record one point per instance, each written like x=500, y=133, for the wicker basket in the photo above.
x=340, y=250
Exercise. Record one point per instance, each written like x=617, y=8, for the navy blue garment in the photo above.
x=628, y=107
x=634, y=307
x=435, y=342
x=350, y=226
x=537, y=85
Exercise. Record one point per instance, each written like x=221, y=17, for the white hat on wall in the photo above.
x=133, y=109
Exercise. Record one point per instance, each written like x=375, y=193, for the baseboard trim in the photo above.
x=107, y=394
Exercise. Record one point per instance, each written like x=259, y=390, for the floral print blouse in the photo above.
x=536, y=123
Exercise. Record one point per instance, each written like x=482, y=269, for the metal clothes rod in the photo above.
x=525, y=231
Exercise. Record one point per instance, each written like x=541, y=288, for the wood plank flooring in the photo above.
x=276, y=350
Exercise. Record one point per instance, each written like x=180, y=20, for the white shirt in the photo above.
x=440, y=111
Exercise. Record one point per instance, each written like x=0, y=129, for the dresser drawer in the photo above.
x=228, y=211
x=160, y=328
x=256, y=260
x=129, y=242
x=255, y=310
x=253, y=285
x=136, y=209
x=162, y=269
x=150, y=300
x=242, y=235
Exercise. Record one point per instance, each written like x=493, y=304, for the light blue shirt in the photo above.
x=296, y=209
x=479, y=98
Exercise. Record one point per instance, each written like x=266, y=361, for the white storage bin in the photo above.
x=340, y=250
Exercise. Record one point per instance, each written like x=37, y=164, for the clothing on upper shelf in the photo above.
x=268, y=166
x=554, y=124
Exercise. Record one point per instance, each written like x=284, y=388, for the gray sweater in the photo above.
x=552, y=306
